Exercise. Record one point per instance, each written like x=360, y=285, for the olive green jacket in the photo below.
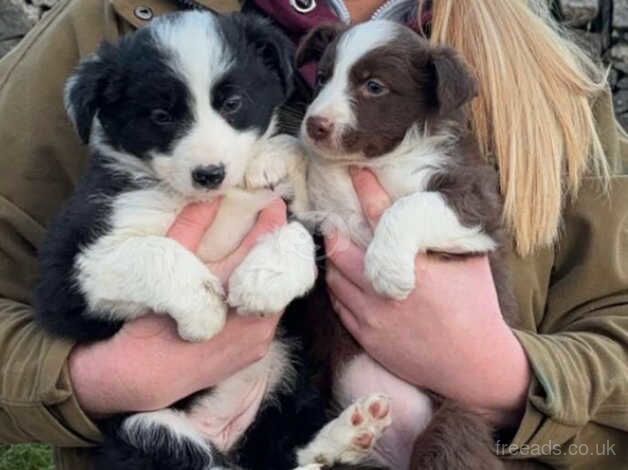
x=573, y=297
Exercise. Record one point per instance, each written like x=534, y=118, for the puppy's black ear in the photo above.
x=455, y=84
x=274, y=48
x=93, y=81
x=313, y=45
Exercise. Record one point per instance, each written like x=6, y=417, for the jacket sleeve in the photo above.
x=40, y=160
x=577, y=409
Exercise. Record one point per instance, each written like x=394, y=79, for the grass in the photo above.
x=26, y=457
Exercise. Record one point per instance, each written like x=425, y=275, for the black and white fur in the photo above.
x=180, y=111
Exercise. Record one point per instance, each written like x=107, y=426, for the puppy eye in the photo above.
x=375, y=88
x=321, y=79
x=160, y=116
x=231, y=105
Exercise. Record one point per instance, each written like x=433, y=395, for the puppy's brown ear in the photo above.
x=313, y=45
x=455, y=84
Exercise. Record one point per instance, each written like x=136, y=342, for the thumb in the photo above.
x=373, y=199
x=269, y=219
x=191, y=224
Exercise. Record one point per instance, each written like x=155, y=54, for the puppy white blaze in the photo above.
x=334, y=101
x=201, y=58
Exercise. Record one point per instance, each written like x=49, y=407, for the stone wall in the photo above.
x=17, y=17
x=600, y=25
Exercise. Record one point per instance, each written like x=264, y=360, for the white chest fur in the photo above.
x=149, y=212
x=334, y=201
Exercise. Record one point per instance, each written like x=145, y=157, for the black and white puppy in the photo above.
x=389, y=101
x=180, y=111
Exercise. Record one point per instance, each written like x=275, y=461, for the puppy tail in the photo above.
x=160, y=440
x=455, y=439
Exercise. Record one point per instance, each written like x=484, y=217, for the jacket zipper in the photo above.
x=344, y=16
x=382, y=9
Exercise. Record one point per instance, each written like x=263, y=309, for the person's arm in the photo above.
x=40, y=159
x=578, y=398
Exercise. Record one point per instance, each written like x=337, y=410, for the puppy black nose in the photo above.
x=209, y=176
x=319, y=128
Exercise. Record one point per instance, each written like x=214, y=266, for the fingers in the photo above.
x=373, y=199
x=347, y=317
x=347, y=258
x=344, y=290
x=191, y=224
x=268, y=220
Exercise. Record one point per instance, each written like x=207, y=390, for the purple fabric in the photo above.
x=296, y=24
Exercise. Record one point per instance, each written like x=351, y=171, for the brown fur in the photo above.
x=455, y=439
x=428, y=86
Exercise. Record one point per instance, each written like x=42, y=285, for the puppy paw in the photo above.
x=265, y=172
x=365, y=421
x=350, y=438
x=391, y=274
x=279, y=269
x=205, y=315
x=272, y=164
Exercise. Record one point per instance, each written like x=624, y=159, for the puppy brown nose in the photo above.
x=209, y=177
x=319, y=128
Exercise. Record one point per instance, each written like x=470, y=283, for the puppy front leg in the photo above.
x=415, y=224
x=280, y=268
x=281, y=164
x=124, y=277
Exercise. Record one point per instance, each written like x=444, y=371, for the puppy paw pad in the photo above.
x=364, y=440
x=379, y=409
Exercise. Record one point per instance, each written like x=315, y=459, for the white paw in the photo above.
x=265, y=172
x=271, y=165
x=206, y=315
x=351, y=436
x=314, y=466
x=391, y=275
x=279, y=269
x=365, y=422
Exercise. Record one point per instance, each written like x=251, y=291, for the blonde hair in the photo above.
x=533, y=113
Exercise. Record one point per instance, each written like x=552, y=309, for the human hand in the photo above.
x=146, y=366
x=448, y=335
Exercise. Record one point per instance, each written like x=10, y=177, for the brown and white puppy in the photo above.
x=389, y=101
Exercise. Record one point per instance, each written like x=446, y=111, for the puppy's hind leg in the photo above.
x=158, y=440
x=350, y=437
x=280, y=268
x=455, y=439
